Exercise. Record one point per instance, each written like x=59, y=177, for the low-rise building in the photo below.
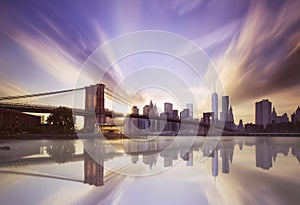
x=15, y=120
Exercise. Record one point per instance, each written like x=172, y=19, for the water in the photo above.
x=181, y=170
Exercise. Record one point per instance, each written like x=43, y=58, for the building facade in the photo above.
x=225, y=107
x=214, y=105
x=191, y=109
x=15, y=120
x=263, y=113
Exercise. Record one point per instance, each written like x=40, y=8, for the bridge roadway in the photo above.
x=22, y=107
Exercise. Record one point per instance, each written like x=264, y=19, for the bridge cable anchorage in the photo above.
x=40, y=94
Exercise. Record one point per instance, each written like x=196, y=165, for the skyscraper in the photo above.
x=185, y=114
x=230, y=117
x=214, y=105
x=225, y=106
x=146, y=110
x=263, y=112
x=168, y=107
x=190, y=107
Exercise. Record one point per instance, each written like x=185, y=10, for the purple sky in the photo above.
x=255, y=45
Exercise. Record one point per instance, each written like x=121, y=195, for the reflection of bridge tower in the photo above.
x=94, y=103
x=93, y=171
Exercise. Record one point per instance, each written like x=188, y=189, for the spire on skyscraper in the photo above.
x=151, y=105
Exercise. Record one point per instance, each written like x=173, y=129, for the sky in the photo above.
x=253, y=45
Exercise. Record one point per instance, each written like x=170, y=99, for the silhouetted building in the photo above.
x=273, y=116
x=214, y=105
x=263, y=112
x=168, y=107
x=208, y=117
x=146, y=110
x=229, y=123
x=185, y=114
x=253, y=128
x=175, y=125
x=153, y=110
x=15, y=120
x=225, y=106
x=191, y=109
x=230, y=115
x=151, y=105
x=135, y=110
x=278, y=119
x=296, y=115
x=241, y=126
x=296, y=120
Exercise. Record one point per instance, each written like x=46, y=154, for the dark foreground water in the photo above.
x=181, y=170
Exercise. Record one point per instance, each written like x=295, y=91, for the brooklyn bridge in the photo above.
x=95, y=113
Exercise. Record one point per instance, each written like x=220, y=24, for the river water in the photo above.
x=165, y=170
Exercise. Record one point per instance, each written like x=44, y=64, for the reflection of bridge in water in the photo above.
x=100, y=151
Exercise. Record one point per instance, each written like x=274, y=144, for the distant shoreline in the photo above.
x=38, y=137
x=87, y=136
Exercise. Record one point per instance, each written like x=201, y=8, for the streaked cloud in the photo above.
x=261, y=58
x=254, y=44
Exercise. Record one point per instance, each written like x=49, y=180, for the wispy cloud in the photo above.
x=260, y=59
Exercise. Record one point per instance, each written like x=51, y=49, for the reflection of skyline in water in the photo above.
x=176, y=173
x=147, y=153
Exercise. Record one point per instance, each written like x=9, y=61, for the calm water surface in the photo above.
x=232, y=170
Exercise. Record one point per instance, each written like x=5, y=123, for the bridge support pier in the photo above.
x=94, y=107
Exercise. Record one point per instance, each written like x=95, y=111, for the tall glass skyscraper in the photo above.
x=225, y=106
x=214, y=105
x=191, y=109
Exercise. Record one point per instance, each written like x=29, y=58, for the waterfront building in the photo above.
x=134, y=110
x=278, y=119
x=296, y=115
x=15, y=120
x=168, y=107
x=241, y=126
x=263, y=112
x=185, y=114
x=146, y=110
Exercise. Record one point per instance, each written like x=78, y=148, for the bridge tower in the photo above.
x=94, y=103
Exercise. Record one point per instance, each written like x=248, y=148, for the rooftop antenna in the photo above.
x=214, y=87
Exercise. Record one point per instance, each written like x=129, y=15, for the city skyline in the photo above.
x=49, y=41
